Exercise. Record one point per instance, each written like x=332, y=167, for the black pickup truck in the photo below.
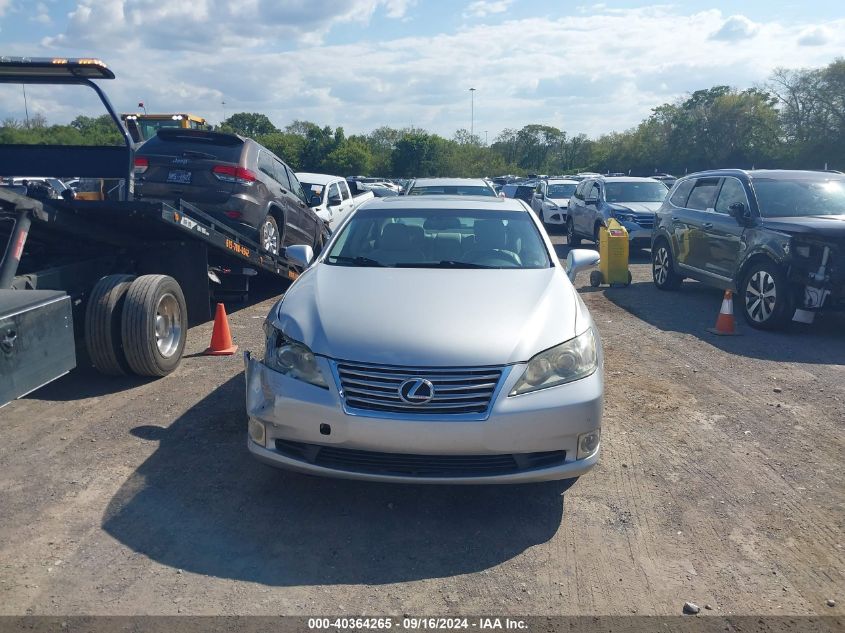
x=117, y=278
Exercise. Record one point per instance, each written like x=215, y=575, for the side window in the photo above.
x=265, y=164
x=579, y=190
x=679, y=197
x=279, y=174
x=593, y=192
x=295, y=187
x=333, y=191
x=344, y=190
x=703, y=195
x=732, y=191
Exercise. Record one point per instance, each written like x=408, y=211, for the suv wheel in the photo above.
x=571, y=239
x=766, y=297
x=663, y=267
x=269, y=237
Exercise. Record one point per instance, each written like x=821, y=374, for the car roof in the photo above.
x=450, y=182
x=763, y=173
x=561, y=181
x=447, y=202
x=316, y=179
x=626, y=179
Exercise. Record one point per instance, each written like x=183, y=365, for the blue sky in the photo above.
x=581, y=66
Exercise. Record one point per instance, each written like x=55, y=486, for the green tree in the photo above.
x=250, y=124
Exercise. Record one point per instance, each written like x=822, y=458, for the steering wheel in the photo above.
x=496, y=254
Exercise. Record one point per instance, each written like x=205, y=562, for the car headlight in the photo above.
x=573, y=360
x=291, y=358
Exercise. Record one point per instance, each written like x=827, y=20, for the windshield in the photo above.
x=561, y=191
x=635, y=191
x=439, y=238
x=453, y=190
x=794, y=197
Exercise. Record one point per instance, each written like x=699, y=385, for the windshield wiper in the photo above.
x=190, y=153
x=446, y=263
x=355, y=261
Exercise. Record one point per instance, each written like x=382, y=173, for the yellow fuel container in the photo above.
x=613, y=254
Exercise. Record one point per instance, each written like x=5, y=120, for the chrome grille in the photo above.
x=645, y=220
x=457, y=391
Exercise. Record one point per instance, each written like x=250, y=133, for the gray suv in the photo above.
x=232, y=178
x=775, y=236
x=631, y=201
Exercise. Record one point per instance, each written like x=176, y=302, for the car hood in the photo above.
x=429, y=317
x=824, y=226
x=637, y=207
x=561, y=202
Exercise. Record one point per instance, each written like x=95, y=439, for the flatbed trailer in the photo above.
x=121, y=279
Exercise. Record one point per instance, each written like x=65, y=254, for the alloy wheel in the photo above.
x=661, y=265
x=760, y=296
x=270, y=237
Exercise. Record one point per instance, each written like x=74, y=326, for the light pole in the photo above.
x=485, y=138
x=471, y=112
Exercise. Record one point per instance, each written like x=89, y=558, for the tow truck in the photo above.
x=119, y=280
x=144, y=126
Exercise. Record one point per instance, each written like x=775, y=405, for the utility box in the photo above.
x=36, y=340
x=613, y=254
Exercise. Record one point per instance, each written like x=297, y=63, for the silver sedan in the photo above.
x=434, y=340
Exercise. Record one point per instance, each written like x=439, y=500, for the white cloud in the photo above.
x=482, y=8
x=595, y=75
x=212, y=24
x=815, y=36
x=736, y=28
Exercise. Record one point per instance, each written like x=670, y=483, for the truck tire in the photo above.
x=103, y=325
x=154, y=326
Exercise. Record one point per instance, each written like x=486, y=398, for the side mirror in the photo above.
x=334, y=201
x=580, y=259
x=314, y=200
x=300, y=254
x=739, y=211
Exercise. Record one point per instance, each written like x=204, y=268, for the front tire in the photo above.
x=571, y=238
x=765, y=297
x=154, y=325
x=663, y=267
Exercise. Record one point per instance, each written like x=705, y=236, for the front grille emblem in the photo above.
x=416, y=391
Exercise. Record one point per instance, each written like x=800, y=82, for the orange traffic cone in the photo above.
x=725, y=325
x=221, y=338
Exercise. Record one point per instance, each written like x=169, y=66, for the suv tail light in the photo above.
x=141, y=165
x=237, y=175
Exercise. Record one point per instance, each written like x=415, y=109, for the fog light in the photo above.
x=257, y=435
x=588, y=443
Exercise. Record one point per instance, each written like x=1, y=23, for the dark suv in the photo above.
x=777, y=237
x=232, y=178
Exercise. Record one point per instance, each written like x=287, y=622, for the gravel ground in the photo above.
x=721, y=483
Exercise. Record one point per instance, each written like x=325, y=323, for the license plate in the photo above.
x=179, y=176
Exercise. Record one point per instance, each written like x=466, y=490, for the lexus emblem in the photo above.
x=416, y=391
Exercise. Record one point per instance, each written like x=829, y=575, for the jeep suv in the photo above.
x=233, y=179
x=776, y=237
x=631, y=201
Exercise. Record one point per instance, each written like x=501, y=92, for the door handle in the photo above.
x=675, y=218
x=707, y=225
